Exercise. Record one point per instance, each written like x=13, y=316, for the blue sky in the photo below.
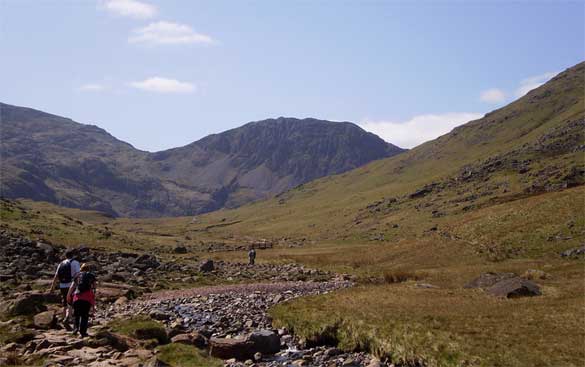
x=161, y=74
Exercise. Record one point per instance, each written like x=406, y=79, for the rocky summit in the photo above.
x=51, y=158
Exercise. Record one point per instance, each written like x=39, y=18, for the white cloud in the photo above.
x=130, y=8
x=163, y=85
x=533, y=82
x=493, y=95
x=92, y=87
x=168, y=33
x=421, y=128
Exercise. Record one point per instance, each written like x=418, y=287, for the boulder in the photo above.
x=574, y=252
x=487, y=280
x=45, y=320
x=240, y=349
x=180, y=250
x=514, y=287
x=194, y=339
x=159, y=315
x=265, y=341
x=116, y=341
x=146, y=261
x=27, y=304
x=206, y=266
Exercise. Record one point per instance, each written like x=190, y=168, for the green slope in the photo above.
x=530, y=146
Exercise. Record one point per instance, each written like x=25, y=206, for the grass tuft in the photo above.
x=181, y=355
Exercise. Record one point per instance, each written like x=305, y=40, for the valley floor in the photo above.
x=409, y=303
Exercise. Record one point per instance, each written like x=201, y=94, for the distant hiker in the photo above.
x=82, y=296
x=66, y=272
x=252, y=256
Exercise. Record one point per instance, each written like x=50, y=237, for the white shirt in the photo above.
x=75, y=268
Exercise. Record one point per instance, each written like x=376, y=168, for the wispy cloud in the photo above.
x=493, y=95
x=421, y=128
x=92, y=87
x=163, y=85
x=533, y=82
x=168, y=33
x=130, y=8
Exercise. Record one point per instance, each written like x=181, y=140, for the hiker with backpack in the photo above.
x=67, y=270
x=82, y=296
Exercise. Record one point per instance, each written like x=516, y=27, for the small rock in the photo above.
x=240, y=349
x=45, y=320
x=195, y=339
x=206, y=266
x=180, y=250
x=265, y=341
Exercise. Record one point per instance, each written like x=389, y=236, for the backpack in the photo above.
x=64, y=271
x=85, y=281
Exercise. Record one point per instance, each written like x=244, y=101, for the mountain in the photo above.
x=533, y=146
x=51, y=158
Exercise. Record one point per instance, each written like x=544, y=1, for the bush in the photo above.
x=399, y=276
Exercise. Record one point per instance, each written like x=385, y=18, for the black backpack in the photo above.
x=85, y=281
x=64, y=271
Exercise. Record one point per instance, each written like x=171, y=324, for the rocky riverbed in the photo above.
x=227, y=318
x=230, y=322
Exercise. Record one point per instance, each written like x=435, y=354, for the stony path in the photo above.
x=235, y=311
x=229, y=313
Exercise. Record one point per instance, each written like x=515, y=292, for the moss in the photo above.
x=140, y=327
x=181, y=355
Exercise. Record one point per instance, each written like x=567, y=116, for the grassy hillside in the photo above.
x=531, y=146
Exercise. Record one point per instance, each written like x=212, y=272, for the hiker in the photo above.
x=252, y=256
x=67, y=270
x=82, y=295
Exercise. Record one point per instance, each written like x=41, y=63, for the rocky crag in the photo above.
x=51, y=158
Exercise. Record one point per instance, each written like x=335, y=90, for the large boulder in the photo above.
x=514, y=287
x=206, y=266
x=29, y=303
x=241, y=349
x=265, y=341
x=45, y=320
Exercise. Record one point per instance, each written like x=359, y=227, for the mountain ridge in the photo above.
x=52, y=158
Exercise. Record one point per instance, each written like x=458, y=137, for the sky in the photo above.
x=162, y=74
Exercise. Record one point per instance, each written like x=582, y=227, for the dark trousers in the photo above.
x=81, y=315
